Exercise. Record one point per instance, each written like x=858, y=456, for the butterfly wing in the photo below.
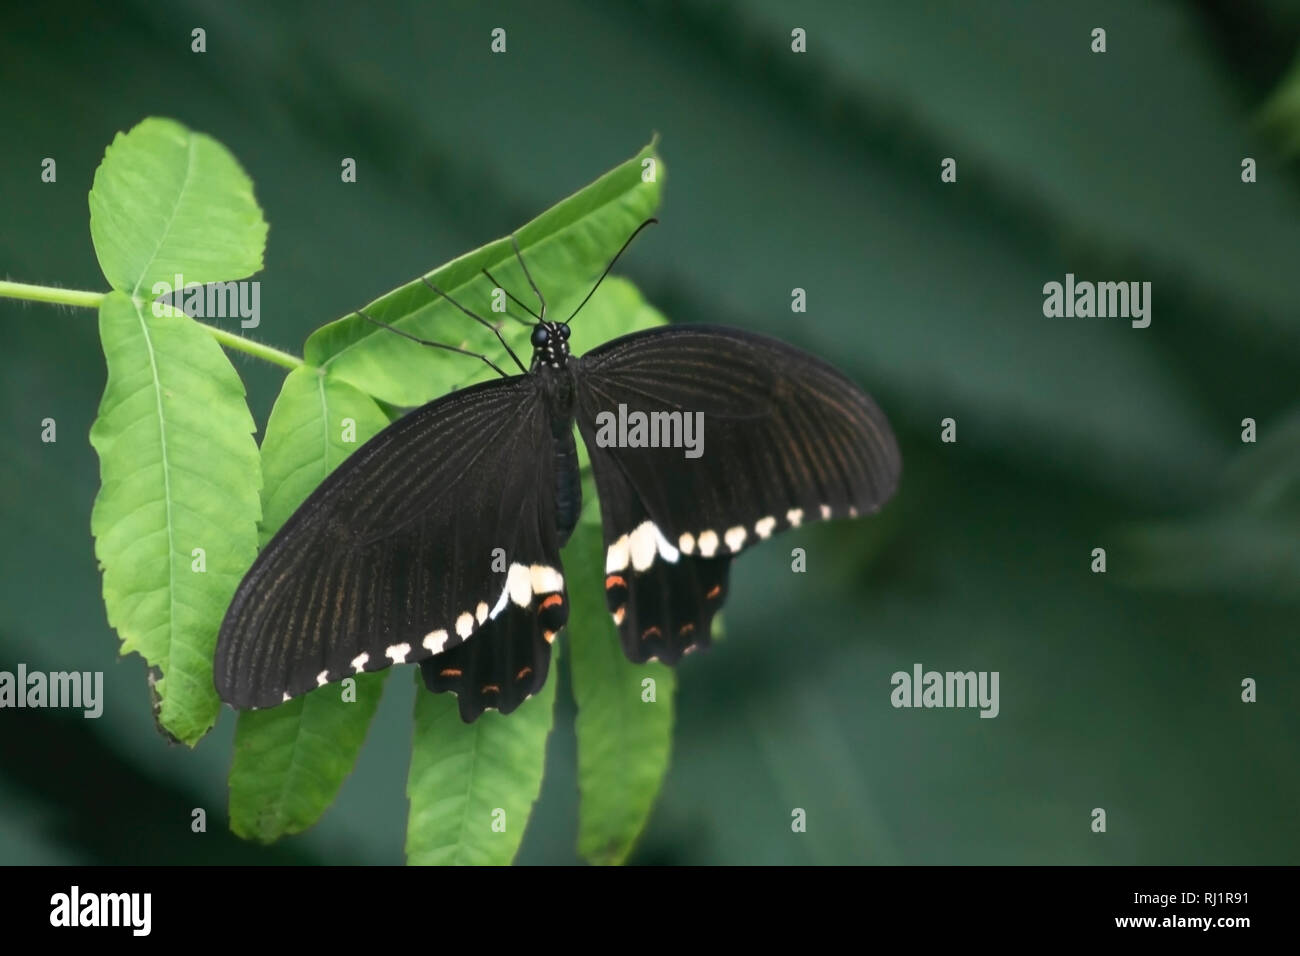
x=784, y=439
x=436, y=535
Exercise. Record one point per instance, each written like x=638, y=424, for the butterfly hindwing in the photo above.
x=663, y=602
x=409, y=552
x=781, y=439
x=507, y=659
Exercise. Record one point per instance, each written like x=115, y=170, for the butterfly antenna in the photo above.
x=479, y=319
x=436, y=345
x=510, y=295
x=635, y=232
x=529, y=276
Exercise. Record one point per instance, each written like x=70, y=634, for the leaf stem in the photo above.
x=255, y=349
x=46, y=293
x=92, y=300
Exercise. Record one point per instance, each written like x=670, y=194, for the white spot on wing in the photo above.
x=708, y=543
x=545, y=580
x=435, y=641
x=794, y=516
x=643, y=545
x=481, y=611
x=665, y=547
x=519, y=585
x=735, y=537
x=359, y=661
x=322, y=678
x=826, y=512
x=286, y=698
x=687, y=543
x=616, y=556
x=465, y=624
x=763, y=527
x=397, y=653
x=501, y=601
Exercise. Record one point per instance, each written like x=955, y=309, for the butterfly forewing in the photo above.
x=438, y=530
x=785, y=440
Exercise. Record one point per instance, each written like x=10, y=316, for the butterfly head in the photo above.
x=550, y=344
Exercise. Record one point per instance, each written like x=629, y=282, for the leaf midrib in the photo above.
x=167, y=490
x=469, y=789
x=158, y=404
x=153, y=256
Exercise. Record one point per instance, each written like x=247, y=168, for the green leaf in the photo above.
x=624, y=741
x=316, y=423
x=565, y=249
x=167, y=201
x=465, y=778
x=179, y=472
x=291, y=760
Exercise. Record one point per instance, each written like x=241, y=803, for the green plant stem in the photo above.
x=45, y=293
x=255, y=349
x=92, y=300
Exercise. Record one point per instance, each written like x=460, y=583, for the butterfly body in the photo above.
x=438, y=542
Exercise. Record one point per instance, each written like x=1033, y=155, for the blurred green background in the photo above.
x=818, y=171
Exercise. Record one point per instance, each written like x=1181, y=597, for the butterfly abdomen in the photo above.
x=568, y=484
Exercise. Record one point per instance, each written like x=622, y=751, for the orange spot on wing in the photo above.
x=685, y=629
x=615, y=581
x=523, y=672
x=449, y=672
x=714, y=591
x=551, y=601
x=549, y=635
x=490, y=689
x=618, y=614
x=650, y=632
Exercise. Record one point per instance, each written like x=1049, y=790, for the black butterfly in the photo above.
x=438, y=541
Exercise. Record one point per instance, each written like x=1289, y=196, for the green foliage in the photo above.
x=175, y=518
x=291, y=760
x=307, y=437
x=472, y=786
x=624, y=740
x=565, y=248
x=180, y=471
x=167, y=201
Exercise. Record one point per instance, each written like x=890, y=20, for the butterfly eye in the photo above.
x=564, y=332
x=540, y=337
